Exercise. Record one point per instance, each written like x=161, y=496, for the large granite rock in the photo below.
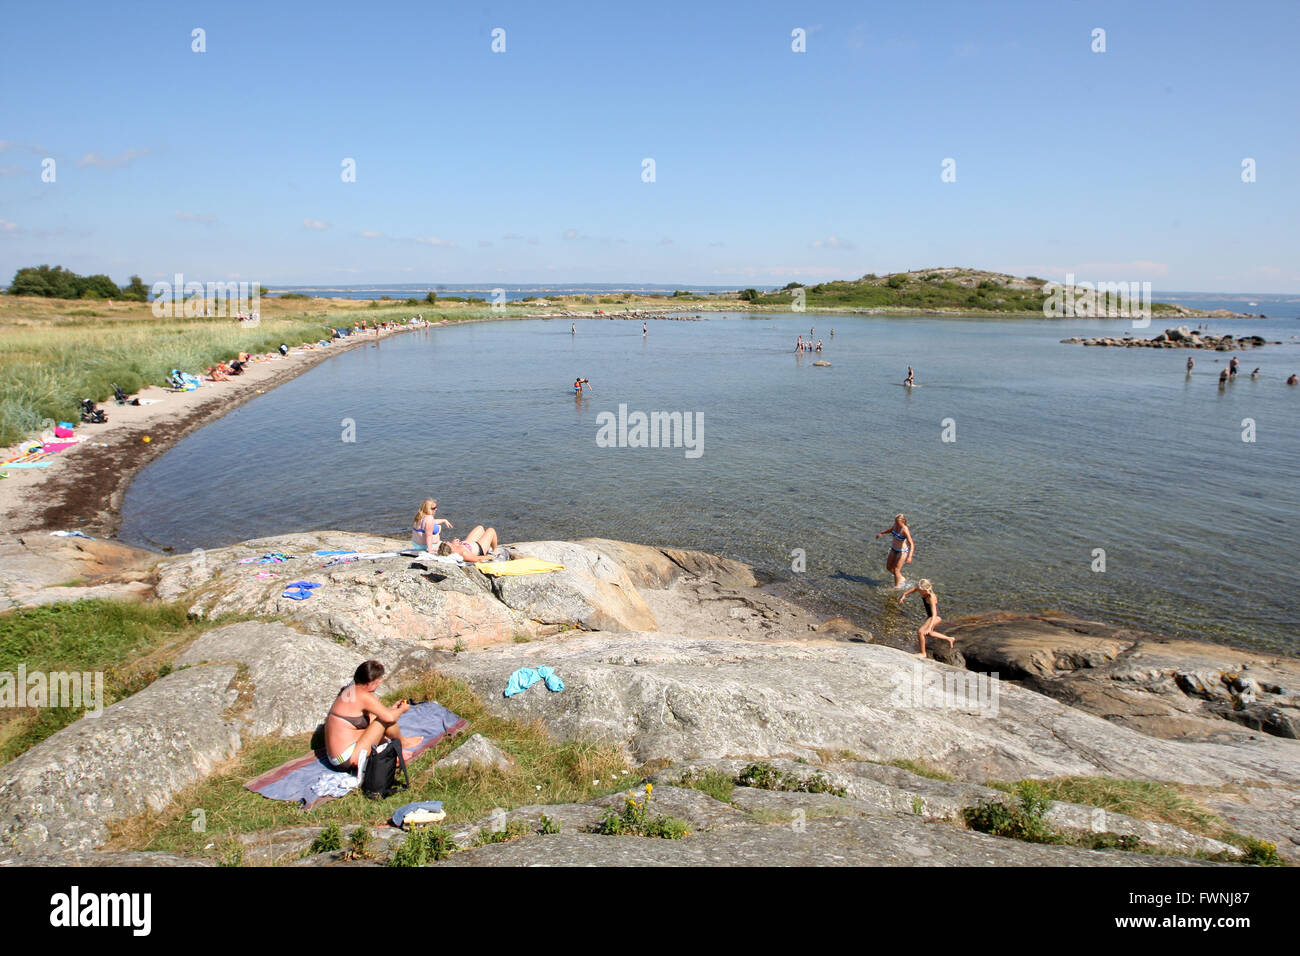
x=37, y=568
x=1179, y=690
x=592, y=592
x=415, y=601
x=477, y=751
x=62, y=794
x=837, y=841
x=290, y=678
x=659, y=568
x=670, y=697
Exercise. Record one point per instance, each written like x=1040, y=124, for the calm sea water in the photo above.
x=1059, y=450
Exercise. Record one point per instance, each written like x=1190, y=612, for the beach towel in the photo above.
x=323, y=553
x=26, y=464
x=526, y=677
x=518, y=566
x=295, y=780
x=299, y=590
x=53, y=448
x=271, y=557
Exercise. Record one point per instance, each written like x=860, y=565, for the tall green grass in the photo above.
x=46, y=370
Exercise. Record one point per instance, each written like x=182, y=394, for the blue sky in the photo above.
x=770, y=165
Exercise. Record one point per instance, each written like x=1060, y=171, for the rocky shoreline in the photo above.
x=680, y=660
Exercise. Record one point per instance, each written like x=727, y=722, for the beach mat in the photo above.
x=293, y=781
x=518, y=566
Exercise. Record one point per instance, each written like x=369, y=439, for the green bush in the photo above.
x=715, y=783
x=763, y=776
x=635, y=820
x=329, y=840
x=422, y=846
x=896, y=281
x=1022, y=820
x=548, y=825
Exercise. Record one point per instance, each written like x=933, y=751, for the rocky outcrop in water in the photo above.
x=1179, y=338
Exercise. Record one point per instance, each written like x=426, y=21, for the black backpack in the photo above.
x=379, y=780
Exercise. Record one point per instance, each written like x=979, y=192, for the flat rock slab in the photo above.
x=1178, y=690
x=61, y=795
x=35, y=566
x=592, y=592
x=414, y=601
x=292, y=678
x=862, y=841
x=659, y=568
x=671, y=697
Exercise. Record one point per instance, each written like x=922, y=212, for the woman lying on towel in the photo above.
x=358, y=720
x=479, y=545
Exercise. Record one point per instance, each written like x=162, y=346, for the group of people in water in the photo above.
x=1229, y=374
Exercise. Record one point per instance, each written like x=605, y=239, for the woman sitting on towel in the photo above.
x=479, y=545
x=357, y=720
x=426, y=528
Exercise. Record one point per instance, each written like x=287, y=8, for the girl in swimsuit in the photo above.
x=479, y=545
x=932, y=618
x=425, y=528
x=358, y=720
x=901, y=551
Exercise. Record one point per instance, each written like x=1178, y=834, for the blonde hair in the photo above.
x=902, y=518
x=426, y=508
x=925, y=585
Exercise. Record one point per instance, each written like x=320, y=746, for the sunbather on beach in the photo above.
x=218, y=373
x=932, y=618
x=426, y=527
x=479, y=545
x=901, y=551
x=357, y=720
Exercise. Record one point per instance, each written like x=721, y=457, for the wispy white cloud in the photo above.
x=95, y=161
x=10, y=170
x=315, y=225
x=832, y=242
x=371, y=234
x=435, y=241
x=7, y=226
x=484, y=243
x=193, y=217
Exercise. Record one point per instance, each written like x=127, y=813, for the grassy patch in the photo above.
x=764, y=776
x=131, y=644
x=1140, y=799
x=422, y=846
x=716, y=783
x=545, y=771
x=920, y=769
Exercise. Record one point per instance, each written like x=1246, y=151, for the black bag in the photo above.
x=379, y=780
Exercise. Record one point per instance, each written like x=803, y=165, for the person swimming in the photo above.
x=1190, y=362
x=819, y=345
x=1232, y=367
x=1223, y=378
x=911, y=377
x=1255, y=374
x=643, y=328
x=1293, y=380
x=573, y=329
x=577, y=385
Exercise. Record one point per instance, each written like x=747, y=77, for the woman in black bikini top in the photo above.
x=349, y=737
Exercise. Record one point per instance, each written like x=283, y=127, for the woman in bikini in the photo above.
x=901, y=551
x=426, y=528
x=932, y=618
x=479, y=545
x=358, y=720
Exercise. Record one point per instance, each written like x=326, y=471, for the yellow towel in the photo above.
x=518, y=566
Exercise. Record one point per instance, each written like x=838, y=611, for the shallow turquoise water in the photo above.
x=1059, y=450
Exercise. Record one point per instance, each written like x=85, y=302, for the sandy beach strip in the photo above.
x=83, y=487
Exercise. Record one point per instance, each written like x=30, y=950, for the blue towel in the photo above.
x=526, y=677
x=400, y=813
x=335, y=552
